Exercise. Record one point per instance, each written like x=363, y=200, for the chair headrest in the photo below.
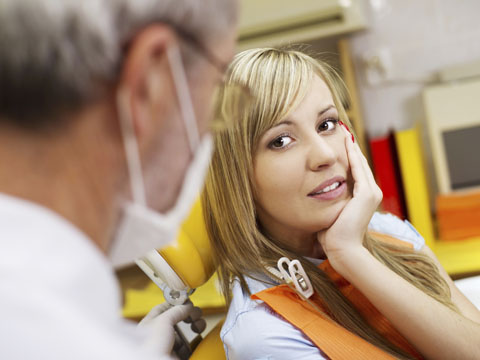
x=190, y=257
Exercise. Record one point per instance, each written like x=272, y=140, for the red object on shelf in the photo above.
x=458, y=216
x=387, y=174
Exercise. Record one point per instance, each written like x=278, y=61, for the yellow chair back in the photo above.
x=191, y=256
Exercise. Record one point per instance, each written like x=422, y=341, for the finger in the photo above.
x=375, y=190
x=348, y=132
x=196, y=313
x=369, y=174
x=193, y=313
x=365, y=164
x=356, y=166
x=176, y=313
x=199, y=326
x=360, y=154
x=156, y=311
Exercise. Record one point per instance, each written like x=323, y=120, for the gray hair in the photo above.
x=54, y=54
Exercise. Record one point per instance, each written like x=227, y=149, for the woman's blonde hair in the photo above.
x=278, y=81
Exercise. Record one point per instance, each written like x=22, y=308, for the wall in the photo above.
x=420, y=37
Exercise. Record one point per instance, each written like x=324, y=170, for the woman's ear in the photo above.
x=146, y=77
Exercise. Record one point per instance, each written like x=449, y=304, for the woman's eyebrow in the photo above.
x=320, y=113
x=285, y=122
x=289, y=122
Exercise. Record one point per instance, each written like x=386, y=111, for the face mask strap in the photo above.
x=131, y=148
x=126, y=124
x=183, y=95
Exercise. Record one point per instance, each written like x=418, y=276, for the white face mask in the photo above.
x=142, y=228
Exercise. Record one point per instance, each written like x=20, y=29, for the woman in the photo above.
x=287, y=180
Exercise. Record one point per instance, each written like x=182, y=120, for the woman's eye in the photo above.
x=280, y=142
x=328, y=125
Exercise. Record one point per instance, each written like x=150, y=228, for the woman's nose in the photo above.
x=321, y=154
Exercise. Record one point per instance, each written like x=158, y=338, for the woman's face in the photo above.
x=301, y=172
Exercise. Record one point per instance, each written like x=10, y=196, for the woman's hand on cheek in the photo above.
x=345, y=236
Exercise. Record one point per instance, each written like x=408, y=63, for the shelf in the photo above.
x=458, y=257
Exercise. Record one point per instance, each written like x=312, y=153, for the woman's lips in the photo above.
x=330, y=192
x=327, y=183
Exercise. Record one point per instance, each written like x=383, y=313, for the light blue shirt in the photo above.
x=253, y=331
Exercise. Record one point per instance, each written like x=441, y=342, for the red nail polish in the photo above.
x=346, y=127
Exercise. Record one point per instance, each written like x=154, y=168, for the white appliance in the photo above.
x=281, y=22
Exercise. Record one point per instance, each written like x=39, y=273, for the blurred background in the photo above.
x=413, y=72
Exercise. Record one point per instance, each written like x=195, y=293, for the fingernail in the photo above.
x=348, y=130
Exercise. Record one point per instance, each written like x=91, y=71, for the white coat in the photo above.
x=59, y=298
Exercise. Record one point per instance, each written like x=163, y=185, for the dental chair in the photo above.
x=182, y=267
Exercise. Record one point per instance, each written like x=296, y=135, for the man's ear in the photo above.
x=146, y=75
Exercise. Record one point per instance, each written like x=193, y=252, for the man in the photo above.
x=104, y=110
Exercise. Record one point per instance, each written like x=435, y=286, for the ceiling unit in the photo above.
x=282, y=22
